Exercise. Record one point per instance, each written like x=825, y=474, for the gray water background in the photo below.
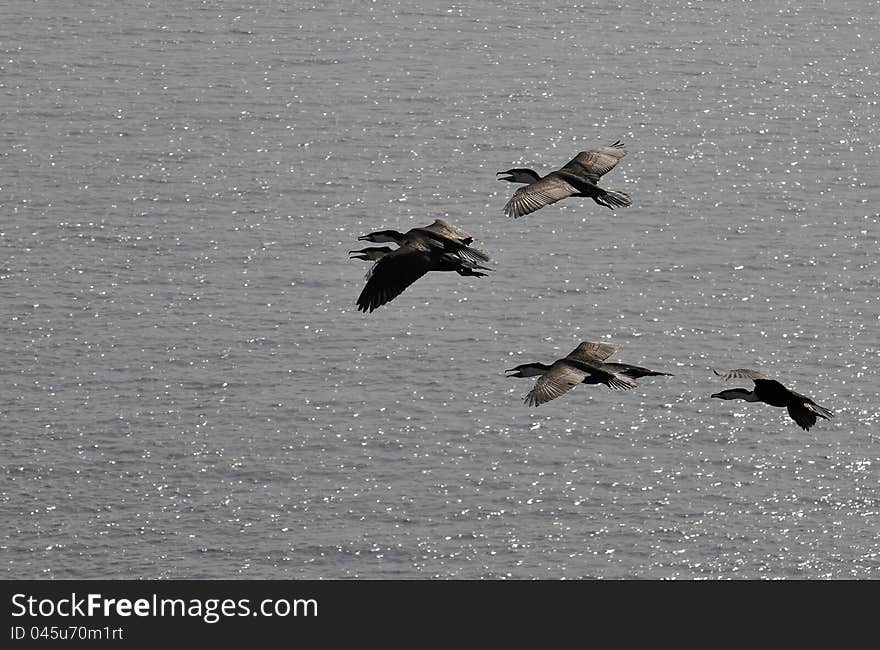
x=188, y=391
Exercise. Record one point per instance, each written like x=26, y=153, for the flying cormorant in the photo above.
x=801, y=408
x=579, y=177
x=439, y=246
x=583, y=365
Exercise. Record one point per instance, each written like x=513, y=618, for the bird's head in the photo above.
x=518, y=175
x=382, y=236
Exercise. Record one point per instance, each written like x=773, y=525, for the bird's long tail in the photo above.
x=821, y=411
x=613, y=199
x=470, y=268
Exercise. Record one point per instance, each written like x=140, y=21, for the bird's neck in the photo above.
x=526, y=176
x=739, y=393
x=533, y=369
x=387, y=236
x=520, y=175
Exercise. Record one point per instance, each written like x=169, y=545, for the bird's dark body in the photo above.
x=800, y=408
x=437, y=247
x=774, y=393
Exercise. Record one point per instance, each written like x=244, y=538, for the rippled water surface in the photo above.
x=188, y=390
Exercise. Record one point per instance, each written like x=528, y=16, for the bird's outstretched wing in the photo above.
x=804, y=417
x=741, y=373
x=593, y=351
x=392, y=274
x=535, y=196
x=596, y=162
x=443, y=227
x=805, y=414
x=554, y=383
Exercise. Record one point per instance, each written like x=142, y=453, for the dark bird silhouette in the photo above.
x=579, y=177
x=583, y=365
x=801, y=408
x=439, y=246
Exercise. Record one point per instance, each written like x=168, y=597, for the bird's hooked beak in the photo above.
x=358, y=255
x=364, y=238
x=504, y=176
x=718, y=395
